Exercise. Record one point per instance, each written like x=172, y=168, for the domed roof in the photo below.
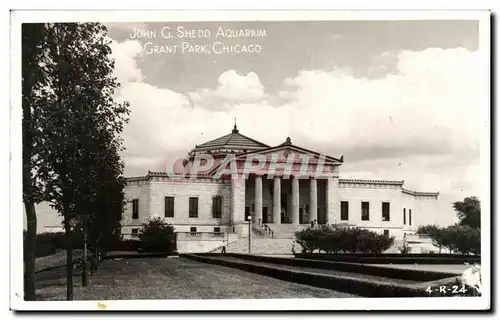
x=234, y=142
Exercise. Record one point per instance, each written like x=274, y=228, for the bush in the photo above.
x=58, y=239
x=157, y=236
x=457, y=238
x=335, y=239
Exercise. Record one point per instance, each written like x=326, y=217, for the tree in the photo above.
x=469, y=212
x=435, y=233
x=33, y=86
x=456, y=238
x=80, y=116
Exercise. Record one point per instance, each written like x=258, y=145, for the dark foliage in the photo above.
x=469, y=212
x=71, y=131
x=335, y=239
x=125, y=245
x=456, y=238
x=157, y=236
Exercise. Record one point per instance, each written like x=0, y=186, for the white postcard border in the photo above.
x=16, y=219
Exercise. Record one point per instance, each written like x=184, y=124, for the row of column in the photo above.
x=313, y=201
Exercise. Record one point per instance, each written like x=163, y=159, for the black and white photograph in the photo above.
x=238, y=160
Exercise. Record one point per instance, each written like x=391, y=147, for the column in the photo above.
x=295, y=200
x=258, y=198
x=313, y=201
x=332, y=200
x=277, y=200
x=237, y=200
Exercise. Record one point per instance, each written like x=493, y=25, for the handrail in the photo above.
x=269, y=230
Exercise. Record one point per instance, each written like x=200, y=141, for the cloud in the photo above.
x=428, y=107
x=125, y=54
x=419, y=124
x=232, y=88
x=128, y=27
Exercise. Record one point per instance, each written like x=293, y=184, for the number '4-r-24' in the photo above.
x=445, y=289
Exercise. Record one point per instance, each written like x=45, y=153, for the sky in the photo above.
x=399, y=100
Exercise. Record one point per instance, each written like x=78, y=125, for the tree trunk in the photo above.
x=28, y=194
x=30, y=253
x=84, y=262
x=95, y=257
x=69, y=261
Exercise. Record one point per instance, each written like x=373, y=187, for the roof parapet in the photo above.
x=421, y=194
x=365, y=181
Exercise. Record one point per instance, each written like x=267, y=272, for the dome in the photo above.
x=232, y=143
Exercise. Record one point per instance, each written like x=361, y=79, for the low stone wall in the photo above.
x=393, y=258
x=362, y=287
x=405, y=274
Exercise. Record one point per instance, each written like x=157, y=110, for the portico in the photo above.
x=281, y=200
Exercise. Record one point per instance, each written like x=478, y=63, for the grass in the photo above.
x=173, y=278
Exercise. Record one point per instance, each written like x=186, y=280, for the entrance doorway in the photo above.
x=247, y=212
x=321, y=215
x=266, y=217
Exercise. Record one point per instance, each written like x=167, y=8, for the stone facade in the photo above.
x=406, y=208
x=294, y=194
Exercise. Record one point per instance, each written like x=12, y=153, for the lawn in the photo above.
x=173, y=278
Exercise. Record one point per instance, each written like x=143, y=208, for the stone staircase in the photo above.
x=285, y=231
x=272, y=239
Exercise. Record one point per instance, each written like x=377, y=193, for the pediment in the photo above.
x=296, y=154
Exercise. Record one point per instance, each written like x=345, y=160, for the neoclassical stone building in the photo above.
x=282, y=188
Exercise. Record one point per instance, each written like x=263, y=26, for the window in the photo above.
x=135, y=209
x=386, y=233
x=216, y=229
x=193, y=207
x=344, y=210
x=169, y=207
x=409, y=217
x=217, y=207
x=365, y=211
x=386, y=208
x=135, y=232
x=404, y=215
x=192, y=229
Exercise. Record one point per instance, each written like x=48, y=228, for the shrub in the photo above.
x=58, y=239
x=335, y=239
x=457, y=238
x=157, y=236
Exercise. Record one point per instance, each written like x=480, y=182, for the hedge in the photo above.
x=339, y=239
